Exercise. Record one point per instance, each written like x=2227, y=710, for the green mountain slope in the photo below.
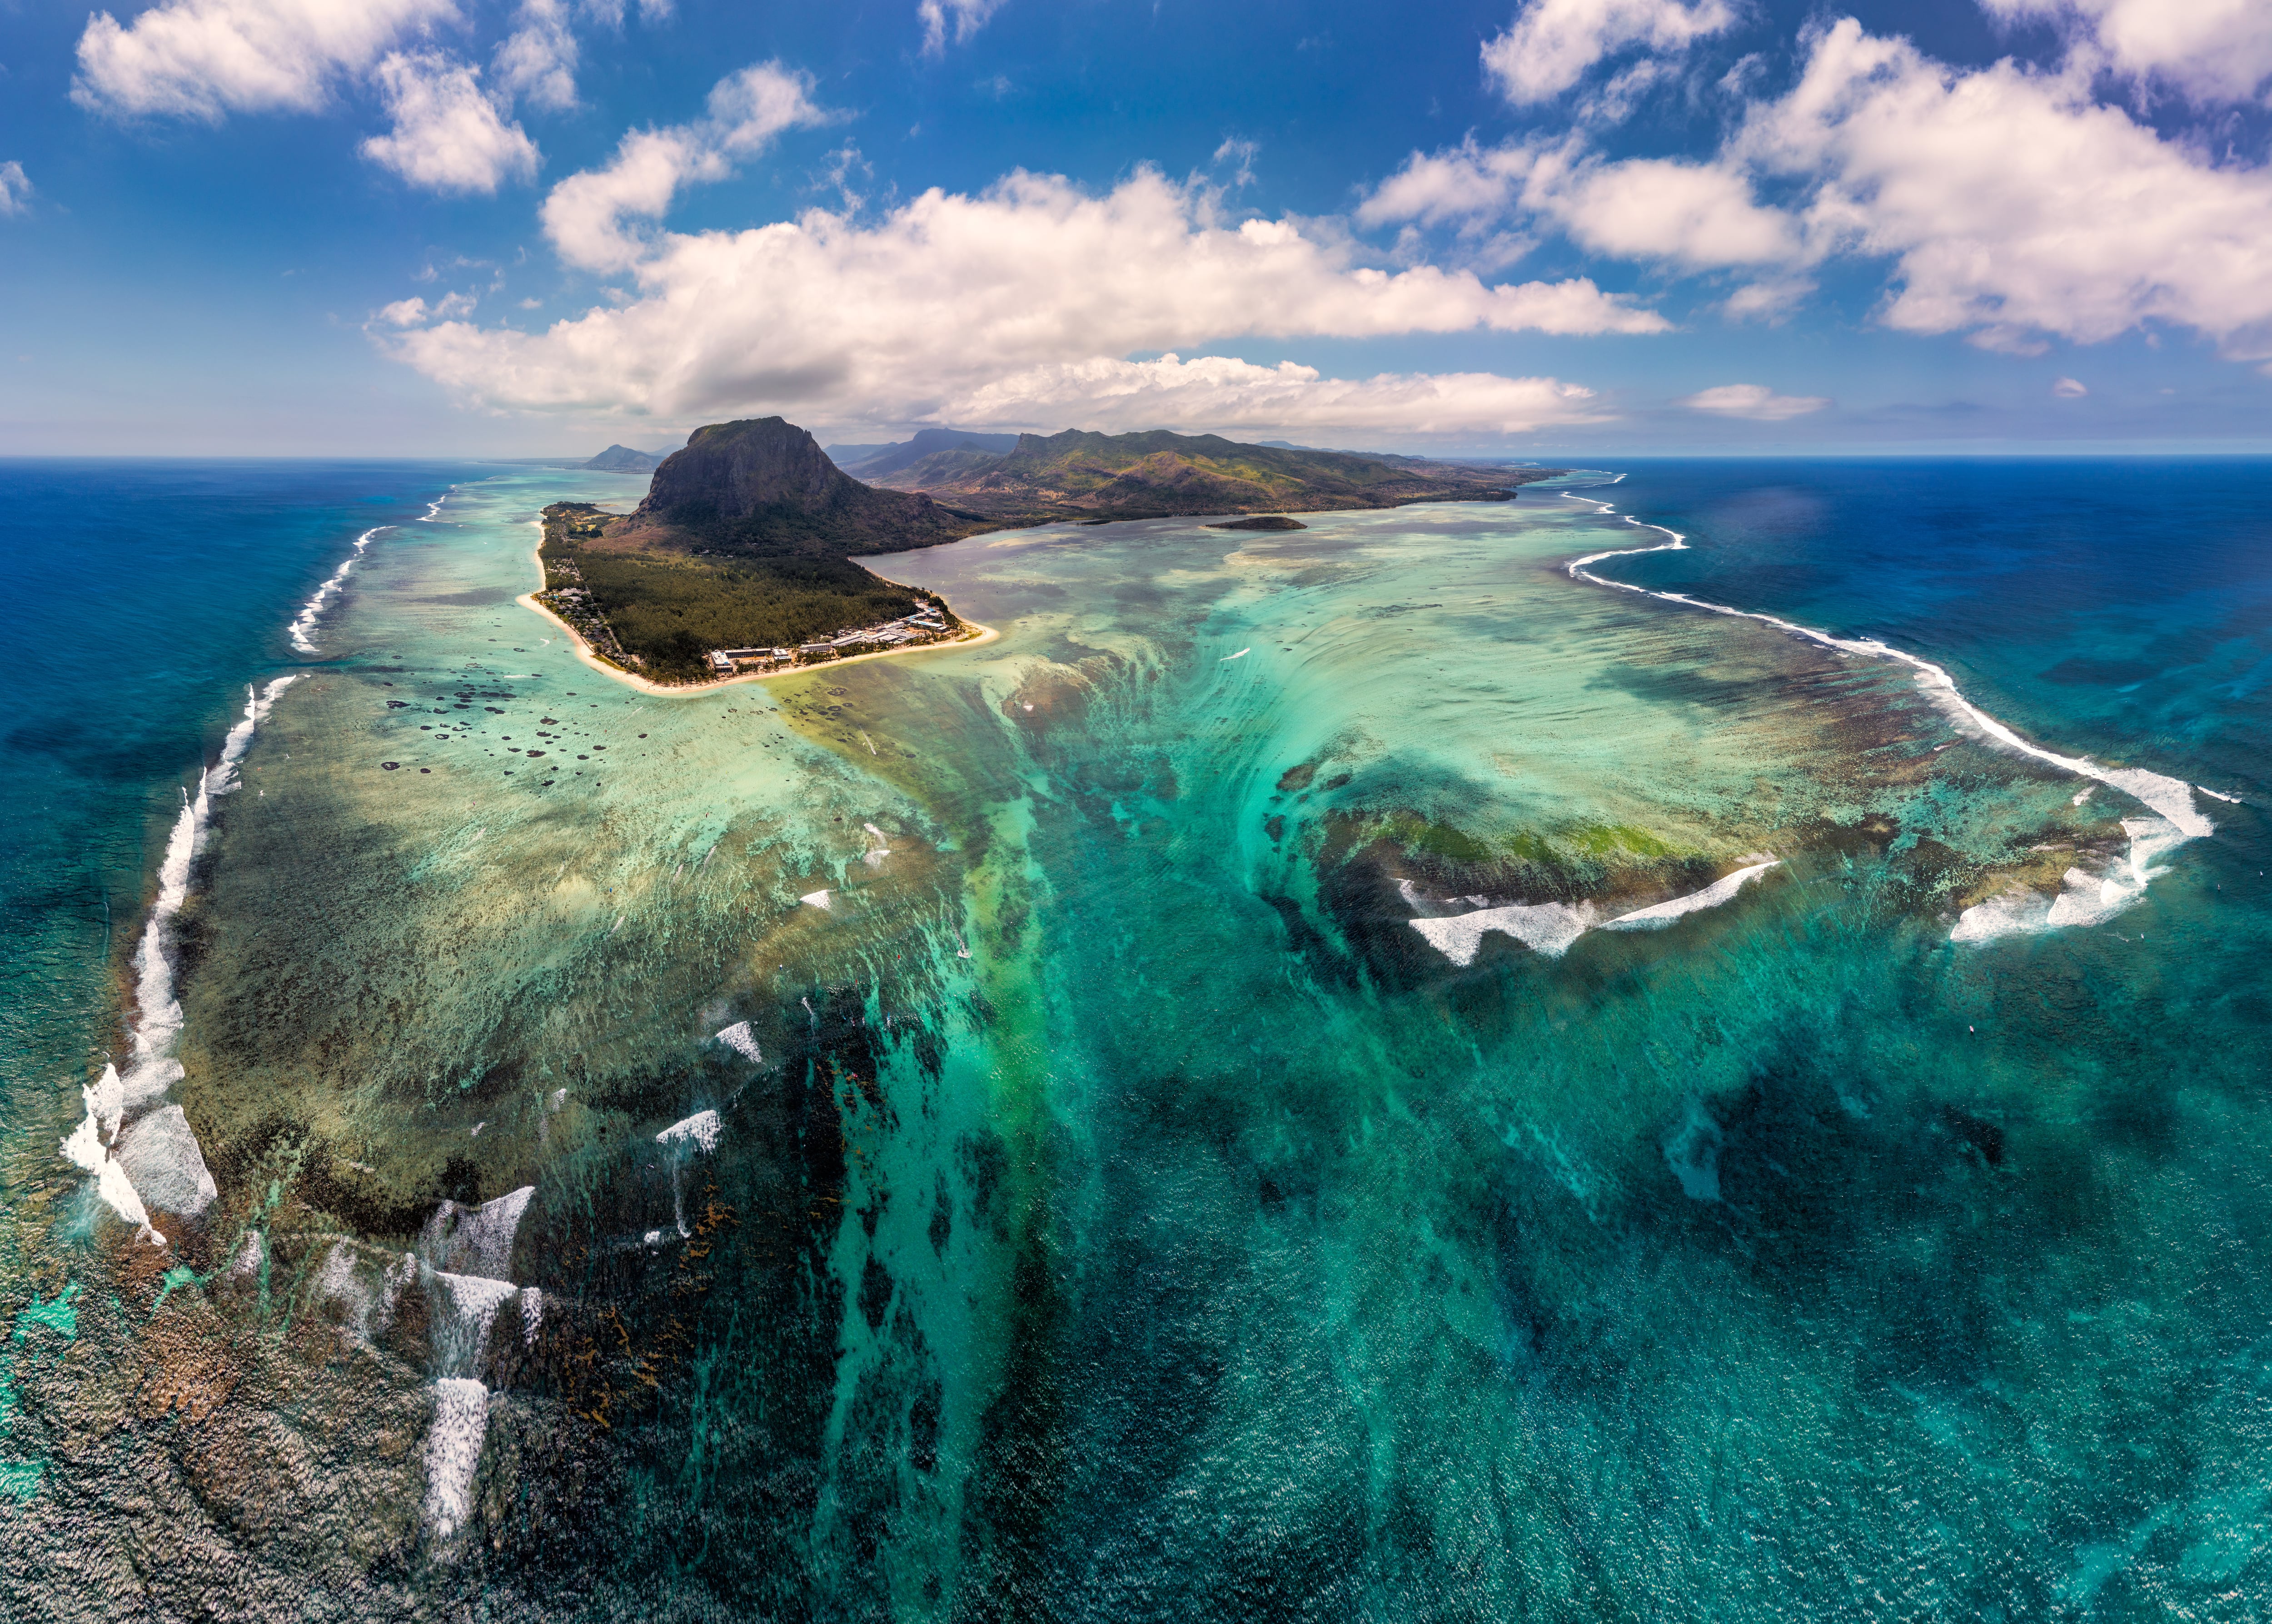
x=1156, y=473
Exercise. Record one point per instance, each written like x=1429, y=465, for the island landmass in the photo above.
x=739, y=560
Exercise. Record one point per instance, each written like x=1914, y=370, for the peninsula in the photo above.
x=740, y=556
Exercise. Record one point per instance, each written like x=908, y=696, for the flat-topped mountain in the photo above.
x=1157, y=474
x=623, y=459
x=743, y=541
x=764, y=486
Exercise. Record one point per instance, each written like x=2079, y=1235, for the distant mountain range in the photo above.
x=873, y=462
x=622, y=460
x=1157, y=474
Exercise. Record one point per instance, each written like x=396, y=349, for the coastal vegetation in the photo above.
x=658, y=610
x=746, y=536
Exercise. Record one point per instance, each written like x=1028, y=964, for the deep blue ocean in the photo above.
x=1349, y=1073
x=143, y=597
x=2121, y=605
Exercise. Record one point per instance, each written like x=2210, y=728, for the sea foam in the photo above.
x=2173, y=799
x=699, y=1131
x=162, y=1159
x=1547, y=927
x=742, y=1040
x=464, y=1307
x=454, y=1451
x=156, y=1023
x=1711, y=896
x=304, y=627
x=474, y=1240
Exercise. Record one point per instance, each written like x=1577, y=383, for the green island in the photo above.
x=740, y=557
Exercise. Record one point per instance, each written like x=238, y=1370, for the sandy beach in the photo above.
x=528, y=600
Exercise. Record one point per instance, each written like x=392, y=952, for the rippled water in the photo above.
x=981, y=1134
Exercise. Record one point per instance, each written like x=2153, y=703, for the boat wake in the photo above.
x=2085, y=897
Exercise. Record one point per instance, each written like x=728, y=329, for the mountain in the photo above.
x=622, y=460
x=1157, y=474
x=844, y=455
x=871, y=462
x=762, y=486
x=744, y=541
x=747, y=534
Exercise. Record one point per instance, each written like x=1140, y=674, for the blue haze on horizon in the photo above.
x=1554, y=228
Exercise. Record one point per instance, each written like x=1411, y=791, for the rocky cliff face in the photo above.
x=764, y=484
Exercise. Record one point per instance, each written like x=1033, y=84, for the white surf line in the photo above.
x=304, y=627
x=1712, y=896
x=1549, y=928
x=106, y=1143
x=2172, y=799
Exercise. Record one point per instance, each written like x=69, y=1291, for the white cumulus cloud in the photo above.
x=1755, y=401
x=537, y=60
x=1225, y=395
x=2014, y=205
x=2010, y=204
x=1700, y=213
x=2214, y=50
x=411, y=312
x=15, y=189
x=585, y=217
x=201, y=58
x=964, y=17
x=2069, y=389
x=952, y=293
x=1551, y=43
x=447, y=136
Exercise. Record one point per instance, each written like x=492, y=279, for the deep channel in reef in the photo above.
x=1339, y=1073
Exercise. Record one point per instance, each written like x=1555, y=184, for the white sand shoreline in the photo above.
x=528, y=600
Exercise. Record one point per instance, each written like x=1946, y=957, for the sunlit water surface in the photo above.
x=982, y=1135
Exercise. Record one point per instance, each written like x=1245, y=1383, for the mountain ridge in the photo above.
x=875, y=460
x=1158, y=473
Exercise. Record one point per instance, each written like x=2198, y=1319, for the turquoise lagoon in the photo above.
x=1171, y=1112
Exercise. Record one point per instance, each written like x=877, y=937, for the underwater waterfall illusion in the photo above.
x=1420, y=1067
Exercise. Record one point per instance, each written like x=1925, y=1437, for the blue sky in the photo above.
x=1546, y=229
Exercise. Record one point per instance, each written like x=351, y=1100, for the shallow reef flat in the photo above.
x=1336, y=1073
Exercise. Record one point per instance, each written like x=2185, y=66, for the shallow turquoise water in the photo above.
x=1114, y=1206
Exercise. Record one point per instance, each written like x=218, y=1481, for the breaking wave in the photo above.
x=106, y=1143
x=2178, y=817
x=303, y=626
